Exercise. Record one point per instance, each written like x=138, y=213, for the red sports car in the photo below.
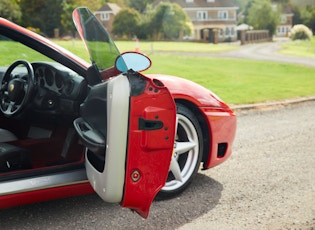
x=69, y=127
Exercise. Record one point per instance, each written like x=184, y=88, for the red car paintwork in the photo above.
x=24, y=198
x=148, y=146
x=218, y=116
x=219, y=119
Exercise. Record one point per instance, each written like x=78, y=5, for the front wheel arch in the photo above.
x=206, y=132
x=188, y=153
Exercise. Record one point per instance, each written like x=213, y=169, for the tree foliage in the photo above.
x=93, y=5
x=300, y=32
x=10, y=10
x=169, y=21
x=43, y=14
x=126, y=23
x=308, y=17
x=262, y=16
x=66, y=17
x=140, y=5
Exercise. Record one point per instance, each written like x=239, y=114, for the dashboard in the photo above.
x=59, y=89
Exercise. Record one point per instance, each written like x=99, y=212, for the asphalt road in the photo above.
x=267, y=52
x=261, y=51
x=268, y=183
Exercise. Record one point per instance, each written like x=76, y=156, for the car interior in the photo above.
x=36, y=128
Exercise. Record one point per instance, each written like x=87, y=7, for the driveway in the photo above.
x=267, y=52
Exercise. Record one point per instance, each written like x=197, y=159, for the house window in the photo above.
x=202, y=15
x=283, y=19
x=227, y=32
x=210, y=0
x=221, y=33
x=223, y=15
x=232, y=31
x=189, y=1
x=104, y=16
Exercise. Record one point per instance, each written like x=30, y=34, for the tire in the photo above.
x=187, y=154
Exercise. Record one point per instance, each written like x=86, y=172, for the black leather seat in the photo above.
x=6, y=136
x=13, y=158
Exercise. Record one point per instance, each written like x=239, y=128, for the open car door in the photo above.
x=127, y=124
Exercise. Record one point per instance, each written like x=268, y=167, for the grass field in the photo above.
x=235, y=81
x=151, y=47
x=300, y=48
x=240, y=81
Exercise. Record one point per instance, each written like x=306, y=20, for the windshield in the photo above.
x=101, y=47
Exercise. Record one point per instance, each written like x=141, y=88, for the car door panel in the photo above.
x=137, y=126
x=149, y=149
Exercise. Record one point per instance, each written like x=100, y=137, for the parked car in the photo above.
x=69, y=127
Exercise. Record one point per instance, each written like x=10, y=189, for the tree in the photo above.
x=93, y=5
x=126, y=22
x=66, y=17
x=43, y=14
x=170, y=21
x=296, y=15
x=262, y=16
x=10, y=10
x=308, y=17
x=140, y=5
x=247, y=6
x=241, y=3
x=281, y=2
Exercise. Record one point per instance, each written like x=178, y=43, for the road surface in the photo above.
x=267, y=52
x=268, y=183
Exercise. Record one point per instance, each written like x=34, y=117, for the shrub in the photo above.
x=300, y=32
x=36, y=30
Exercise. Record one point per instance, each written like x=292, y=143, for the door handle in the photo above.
x=150, y=124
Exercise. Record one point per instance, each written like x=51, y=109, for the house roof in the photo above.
x=112, y=7
x=201, y=3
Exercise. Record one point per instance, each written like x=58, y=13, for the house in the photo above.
x=106, y=14
x=213, y=20
x=286, y=21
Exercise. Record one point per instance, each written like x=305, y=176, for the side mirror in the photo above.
x=131, y=60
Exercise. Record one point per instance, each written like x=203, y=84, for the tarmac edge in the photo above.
x=271, y=105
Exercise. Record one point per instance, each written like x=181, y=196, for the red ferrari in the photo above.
x=69, y=127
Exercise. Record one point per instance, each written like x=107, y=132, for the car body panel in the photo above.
x=150, y=145
x=219, y=118
x=45, y=194
x=141, y=180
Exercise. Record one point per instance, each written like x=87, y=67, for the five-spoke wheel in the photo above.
x=186, y=155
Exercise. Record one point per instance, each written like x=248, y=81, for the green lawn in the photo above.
x=151, y=47
x=240, y=81
x=235, y=81
x=300, y=48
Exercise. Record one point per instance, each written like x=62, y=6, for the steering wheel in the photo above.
x=15, y=90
